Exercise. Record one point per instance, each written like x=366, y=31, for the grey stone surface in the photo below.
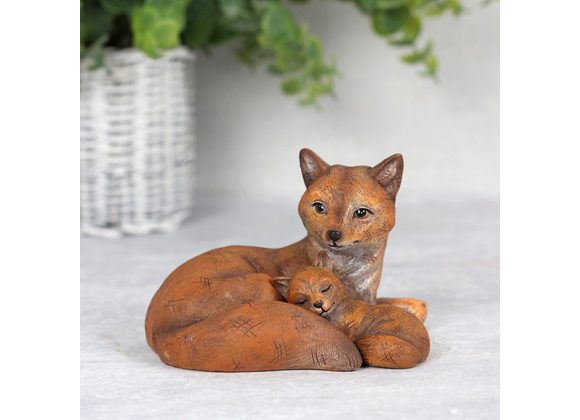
x=444, y=250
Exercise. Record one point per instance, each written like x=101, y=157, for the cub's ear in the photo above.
x=312, y=166
x=281, y=285
x=389, y=174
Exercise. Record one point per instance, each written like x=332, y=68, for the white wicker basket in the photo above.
x=137, y=143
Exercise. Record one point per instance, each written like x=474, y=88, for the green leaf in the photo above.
x=201, y=21
x=172, y=9
x=435, y=8
x=251, y=53
x=278, y=25
x=96, y=52
x=148, y=44
x=222, y=32
x=296, y=54
x=390, y=4
x=232, y=9
x=431, y=66
x=260, y=6
x=166, y=33
x=418, y=55
x=386, y=22
x=455, y=6
x=314, y=91
x=95, y=23
x=245, y=26
x=144, y=18
x=366, y=6
x=119, y=7
x=409, y=33
x=292, y=86
x=276, y=68
x=157, y=24
x=314, y=48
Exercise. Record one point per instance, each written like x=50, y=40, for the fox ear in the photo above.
x=281, y=285
x=389, y=174
x=312, y=166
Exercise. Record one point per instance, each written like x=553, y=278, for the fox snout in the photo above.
x=321, y=306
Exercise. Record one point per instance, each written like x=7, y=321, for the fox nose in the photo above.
x=318, y=304
x=335, y=235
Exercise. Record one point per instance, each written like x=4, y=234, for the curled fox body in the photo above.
x=219, y=311
x=386, y=335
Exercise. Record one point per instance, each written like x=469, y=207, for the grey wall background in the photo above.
x=249, y=134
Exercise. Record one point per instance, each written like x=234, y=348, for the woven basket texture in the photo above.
x=137, y=143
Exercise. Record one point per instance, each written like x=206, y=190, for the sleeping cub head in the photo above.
x=316, y=289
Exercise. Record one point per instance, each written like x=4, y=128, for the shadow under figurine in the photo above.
x=387, y=336
x=219, y=311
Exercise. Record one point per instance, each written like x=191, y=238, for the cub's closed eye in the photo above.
x=362, y=213
x=326, y=289
x=300, y=299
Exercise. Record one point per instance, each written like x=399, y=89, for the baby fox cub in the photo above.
x=386, y=335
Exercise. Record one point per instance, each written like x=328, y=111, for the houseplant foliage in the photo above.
x=265, y=30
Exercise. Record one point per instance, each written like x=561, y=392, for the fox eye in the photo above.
x=362, y=213
x=319, y=207
x=326, y=289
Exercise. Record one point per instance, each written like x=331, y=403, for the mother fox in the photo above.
x=220, y=312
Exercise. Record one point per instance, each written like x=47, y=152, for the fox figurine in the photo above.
x=219, y=311
x=375, y=329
